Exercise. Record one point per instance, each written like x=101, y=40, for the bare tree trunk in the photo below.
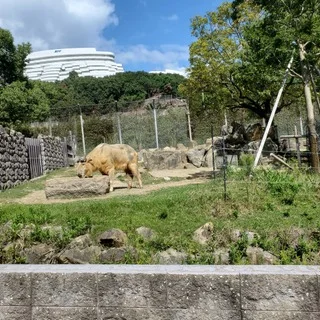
x=313, y=138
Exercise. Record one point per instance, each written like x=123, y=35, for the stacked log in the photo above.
x=52, y=153
x=14, y=168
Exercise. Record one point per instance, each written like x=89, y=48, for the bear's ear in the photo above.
x=89, y=160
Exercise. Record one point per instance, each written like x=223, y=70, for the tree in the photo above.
x=287, y=22
x=12, y=58
x=21, y=102
x=226, y=67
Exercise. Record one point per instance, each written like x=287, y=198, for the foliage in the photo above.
x=230, y=66
x=12, y=58
x=23, y=102
x=290, y=233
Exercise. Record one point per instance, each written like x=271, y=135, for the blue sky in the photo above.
x=148, y=35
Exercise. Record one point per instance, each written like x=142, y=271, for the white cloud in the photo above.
x=50, y=24
x=166, y=55
x=173, y=17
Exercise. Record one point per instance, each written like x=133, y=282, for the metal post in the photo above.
x=224, y=167
x=297, y=145
x=50, y=127
x=264, y=138
x=301, y=126
x=214, y=166
x=119, y=124
x=189, y=122
x=82, y=134
x=155, y=123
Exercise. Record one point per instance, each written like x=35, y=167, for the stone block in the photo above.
x=64, y=290
x=132, y=290
x=206, y=314
x=15, y=289
x=206, y=292
x=279, y=292
x=64, y=188
x=268, y=315
x=15, y=313
x=41, y=313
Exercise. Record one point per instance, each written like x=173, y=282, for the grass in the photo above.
x=280, y=207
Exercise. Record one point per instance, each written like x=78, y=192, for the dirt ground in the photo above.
x=188, y=176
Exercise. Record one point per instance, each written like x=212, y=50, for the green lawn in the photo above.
x=277, y=205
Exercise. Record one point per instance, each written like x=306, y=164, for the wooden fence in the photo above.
x=34, y=157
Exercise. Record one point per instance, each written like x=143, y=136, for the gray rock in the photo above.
x=259, y=256
x=79, y=256
x=116, y=255
x=221, y=256
x=161, y=159
x=170, y=256
x=203, y=234
x=39, y=254
x=146, y=233
x=113, y=238
x=196, y=156
x=80, y=242
x=62, y=188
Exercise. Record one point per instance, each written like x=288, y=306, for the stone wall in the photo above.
x=131, y=292
x=52, y=153
x=14, y=167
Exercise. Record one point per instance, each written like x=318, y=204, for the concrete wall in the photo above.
x=120, y=292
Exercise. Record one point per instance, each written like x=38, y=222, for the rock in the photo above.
x=221, y=256
x=204, y=234
x=259, y=256
x=113, y=238
x=80, y=242
x=62, y=188
x=146, y=233
x=181, y=147
x=39, y=254
x=116, y=255
x=170, y=256
x=236, y=235
x=79, y=256
x=196, y=156
x=161, y=159
x=192, y=144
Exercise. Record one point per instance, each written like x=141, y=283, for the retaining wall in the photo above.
x=130, y=292
x=14, y=167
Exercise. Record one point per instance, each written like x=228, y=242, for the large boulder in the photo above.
x=164, y=159
x=62, y=188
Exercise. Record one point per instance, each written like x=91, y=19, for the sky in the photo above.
x=144, y=35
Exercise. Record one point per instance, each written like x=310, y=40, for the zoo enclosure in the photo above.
x=24, y=158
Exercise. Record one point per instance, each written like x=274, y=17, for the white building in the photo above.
x=53, y=65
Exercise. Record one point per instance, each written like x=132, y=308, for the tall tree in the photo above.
x=12, y=58
x=226, y=68
x=287, y=22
